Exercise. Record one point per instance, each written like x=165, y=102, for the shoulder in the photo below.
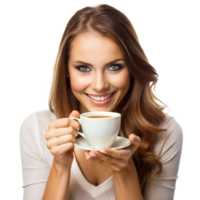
x=168, y=148
x=32, y=135
x=43, y=117
x=171, y=139
x=173, y=128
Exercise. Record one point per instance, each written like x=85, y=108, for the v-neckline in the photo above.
x=92, y=189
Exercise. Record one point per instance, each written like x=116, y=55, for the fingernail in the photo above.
x=136, y=138
x=91, y=157
x=102, y=151
x=88, y=157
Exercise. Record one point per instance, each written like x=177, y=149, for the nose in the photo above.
x=100, y=83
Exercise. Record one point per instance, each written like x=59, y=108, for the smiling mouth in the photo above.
x=100, y=100
x=102, y=95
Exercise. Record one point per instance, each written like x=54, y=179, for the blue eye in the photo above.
x=115, y=67
x=82, y=66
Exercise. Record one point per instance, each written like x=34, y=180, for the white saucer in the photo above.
x=119, y=143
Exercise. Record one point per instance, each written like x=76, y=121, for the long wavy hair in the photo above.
x=142, y=112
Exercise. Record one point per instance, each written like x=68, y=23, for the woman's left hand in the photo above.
x=115, y=160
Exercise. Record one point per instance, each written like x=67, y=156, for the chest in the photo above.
x=96, y=174
x=93, y=172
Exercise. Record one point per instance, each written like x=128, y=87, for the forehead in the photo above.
x=94, y=46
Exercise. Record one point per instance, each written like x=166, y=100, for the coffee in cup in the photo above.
x=99, y=116
x=100, y=128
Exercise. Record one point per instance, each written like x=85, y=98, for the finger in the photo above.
x=64, y=122
x=74, y=113
x=116, y=153
x=62, y=149
x=59, y=132
x=87, y=154
x=135, y=142
x=109, y=166
x=108, y=159
x=60, y=140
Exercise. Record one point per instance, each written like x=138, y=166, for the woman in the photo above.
x=100, y=56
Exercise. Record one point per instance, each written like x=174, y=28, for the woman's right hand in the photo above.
x=61, y=136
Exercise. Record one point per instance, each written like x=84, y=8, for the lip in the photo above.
x=99, y=95
x=100, y=103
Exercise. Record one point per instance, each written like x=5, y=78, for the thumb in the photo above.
x=74, y=113
x=134, y=140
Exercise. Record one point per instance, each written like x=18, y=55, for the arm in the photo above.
x=57, y=186
x=168, y=147
x=36, y=169
x=126, y=184
x=120, y=163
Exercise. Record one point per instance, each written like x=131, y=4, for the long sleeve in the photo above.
x=35, y=169
x=168, y=147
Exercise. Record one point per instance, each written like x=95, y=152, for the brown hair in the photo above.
x=139, y=107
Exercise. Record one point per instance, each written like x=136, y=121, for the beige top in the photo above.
x=37, y=161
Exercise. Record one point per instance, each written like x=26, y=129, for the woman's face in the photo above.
x=98, y=84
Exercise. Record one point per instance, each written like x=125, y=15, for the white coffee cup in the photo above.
x=99, y=132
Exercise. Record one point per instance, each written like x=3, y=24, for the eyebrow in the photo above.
x=84, y=63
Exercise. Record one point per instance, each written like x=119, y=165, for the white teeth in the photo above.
x=102, y=98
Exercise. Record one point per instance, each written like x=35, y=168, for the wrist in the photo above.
x=124, y=172
x=61, y=167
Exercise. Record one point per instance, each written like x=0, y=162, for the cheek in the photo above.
x=121, y=81
x=78, y=84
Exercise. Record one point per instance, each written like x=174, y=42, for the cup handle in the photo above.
x=79, y=121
